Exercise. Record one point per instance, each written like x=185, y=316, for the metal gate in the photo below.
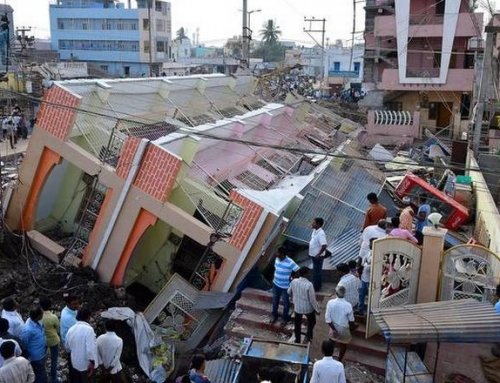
x=469, y=271
x=394, y=276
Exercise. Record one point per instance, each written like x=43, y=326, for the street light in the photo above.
x=249, y=16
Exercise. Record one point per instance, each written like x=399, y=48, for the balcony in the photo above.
x=422, y=72
x=429, y=25
x=458, y=80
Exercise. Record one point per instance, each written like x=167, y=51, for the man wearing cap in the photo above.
x=406, y=216
x=339, y=316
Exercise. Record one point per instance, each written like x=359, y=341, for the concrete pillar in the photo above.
x=429, y=266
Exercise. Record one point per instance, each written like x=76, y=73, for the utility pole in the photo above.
x=150, y=40
x=245, y=39
x=310, y=30
x=353, y=32
x=484, y=88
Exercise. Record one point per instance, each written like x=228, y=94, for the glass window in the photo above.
x=145, y=24
x=60, y=24
x=357, y=67
x=160, y=46
x=336, y=66
x=146, y=46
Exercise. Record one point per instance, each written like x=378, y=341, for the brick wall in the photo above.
x=57, y=120
x=127, y=156
x=158, y=172
x=248, y=220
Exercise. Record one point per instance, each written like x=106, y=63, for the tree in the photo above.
x=181, y=35
x=271, y=49
x=270, y=34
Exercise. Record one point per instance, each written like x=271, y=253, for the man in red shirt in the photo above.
x=375, y=212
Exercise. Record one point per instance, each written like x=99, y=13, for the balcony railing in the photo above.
x=422, y=72
x=426, y=19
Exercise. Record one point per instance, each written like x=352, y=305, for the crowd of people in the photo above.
x=26, y=346
x=15, y=127
x=352, y=289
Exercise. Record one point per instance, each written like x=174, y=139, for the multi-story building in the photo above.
x=6, y=35
x=119, y=41
x=419, y=57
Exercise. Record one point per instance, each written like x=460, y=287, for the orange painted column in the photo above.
x=48, y=160
x=143, y=221
x=99, y=224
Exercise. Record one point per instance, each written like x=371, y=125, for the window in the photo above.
x=133, y=26
x=60, y=24
x=433, y=110
x=126, y=70
x=158, y=6
x=104, y=68
x=357, y=67
x=160, y=25
x=85, y=26
x=145, y=24
x=119, y=26
x=336, y=66
x=160, y=46
x=146, y=46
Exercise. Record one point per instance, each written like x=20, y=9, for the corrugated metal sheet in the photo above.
x=345, y=247
x=338, y=195
x=459, y=321
x=222, y=370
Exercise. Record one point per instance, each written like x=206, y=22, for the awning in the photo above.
x=206, y=300
x=462, y=321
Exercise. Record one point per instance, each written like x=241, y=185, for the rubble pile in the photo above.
x=27, y=276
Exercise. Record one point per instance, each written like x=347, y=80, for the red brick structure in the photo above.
x=57, y=113
x=248, y=220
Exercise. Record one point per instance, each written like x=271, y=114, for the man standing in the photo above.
x=16, y=369
x=68, y=315
x=283, y=268
x=375, y=212
x=5, y=336
x=339, y=316
x=423, y=212
x=82, y=347
x=304, y=303
x=373, y=231
x=51, y=326
x=365, y=279
x=34, y=343
x=328, y=370
x=350, y=283
x=317, y=248
x=10, y=313
x=109, y=351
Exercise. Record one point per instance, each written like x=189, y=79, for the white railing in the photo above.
x=393, y=117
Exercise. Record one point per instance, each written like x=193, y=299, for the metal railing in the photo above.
x=393, y=117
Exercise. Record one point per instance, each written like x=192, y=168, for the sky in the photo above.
x=220, y=19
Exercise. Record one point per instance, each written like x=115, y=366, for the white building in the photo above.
x=181, y=49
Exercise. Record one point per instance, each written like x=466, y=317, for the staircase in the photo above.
x=252, y=315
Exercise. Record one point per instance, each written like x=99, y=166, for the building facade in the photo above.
x=419, y=56
x=119, y=41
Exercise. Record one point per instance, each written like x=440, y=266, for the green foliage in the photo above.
x=271, y=49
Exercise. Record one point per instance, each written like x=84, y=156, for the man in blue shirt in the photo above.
x=283, y=269
x=68, y=315
x=423, y=212
x=34, y=344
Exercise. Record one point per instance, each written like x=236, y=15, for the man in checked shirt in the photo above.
x=304, y=302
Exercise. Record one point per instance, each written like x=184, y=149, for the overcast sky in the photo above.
x=220, y=19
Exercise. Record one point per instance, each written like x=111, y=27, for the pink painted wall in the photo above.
x=228, y=159
x=459, y=80
x=374, y=129
x=386, y=26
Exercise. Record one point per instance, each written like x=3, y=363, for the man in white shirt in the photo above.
x=340, y=317
x=317, y=248
x=109, y=351
x=16, y=369
x=373, y=231
x=328, y=370
x=304, y=303
x=365, y=280
x=351, y=284
x=10, y=313
x=82, y=347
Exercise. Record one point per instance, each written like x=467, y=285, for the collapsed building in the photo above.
x=172, y=186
